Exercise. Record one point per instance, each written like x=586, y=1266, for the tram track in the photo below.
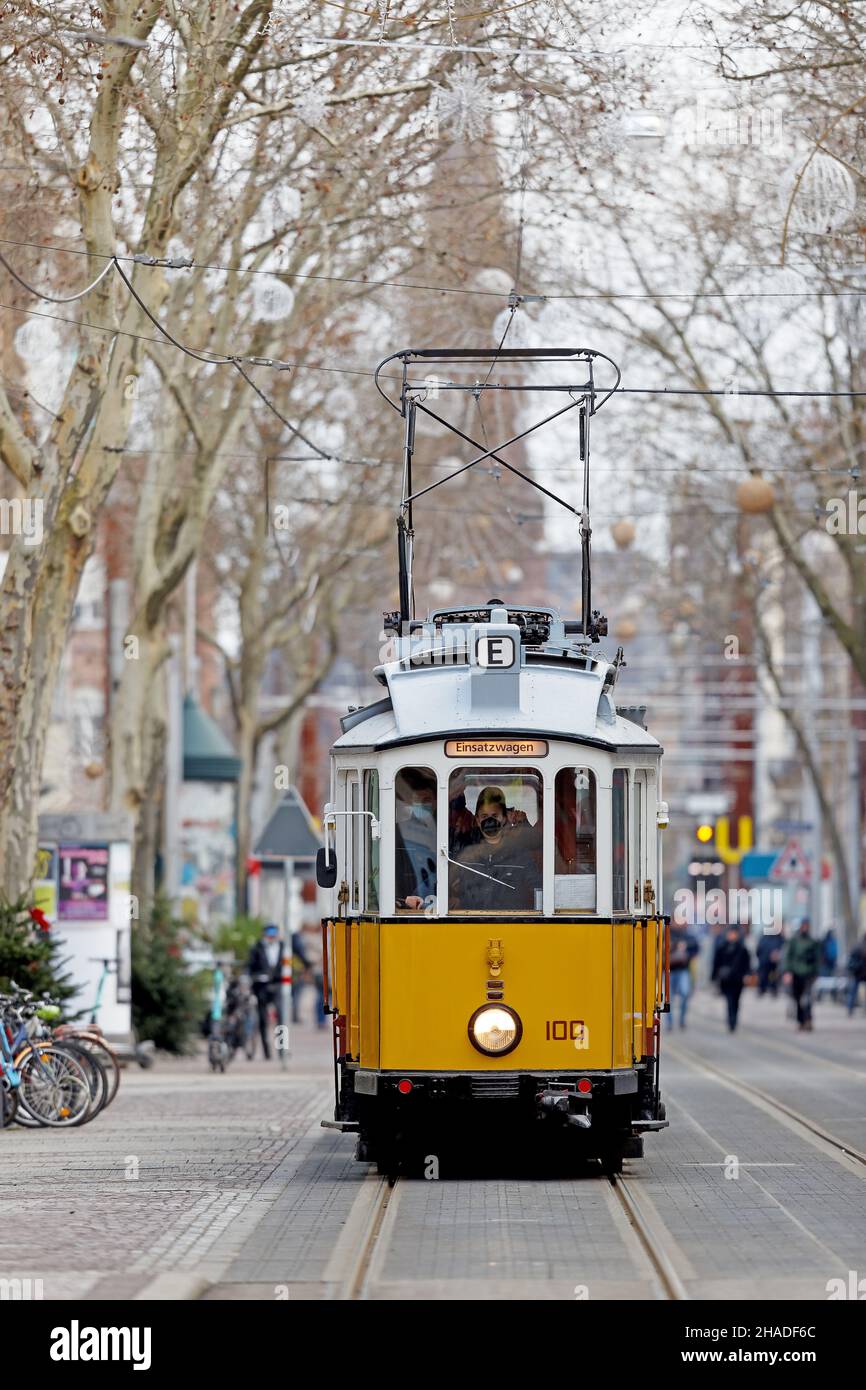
x=770, y=1104
x=651, y=1236
x=357, y=1280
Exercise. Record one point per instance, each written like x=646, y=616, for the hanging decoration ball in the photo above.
x=626, y=629
x=755, y=496
x=824, y=198
x=494, y=280
x=273, y=300
x=623, y=533
x=93, y=770
x=441, y=590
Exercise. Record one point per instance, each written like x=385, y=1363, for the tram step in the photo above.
x=642, y=1125
x=344, y=1126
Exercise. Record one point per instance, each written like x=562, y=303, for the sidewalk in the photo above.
x=155, y=1197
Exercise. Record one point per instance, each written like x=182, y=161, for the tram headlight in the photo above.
x=494, y=1029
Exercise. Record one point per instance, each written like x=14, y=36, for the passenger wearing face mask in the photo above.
x=415, y=842
x=502, y=871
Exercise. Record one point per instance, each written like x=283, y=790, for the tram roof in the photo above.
x=554, y=688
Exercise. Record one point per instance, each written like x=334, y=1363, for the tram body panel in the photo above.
x=434, y=975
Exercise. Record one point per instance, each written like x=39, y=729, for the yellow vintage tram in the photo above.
x=496, y=950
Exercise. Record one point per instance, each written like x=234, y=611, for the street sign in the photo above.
x=792, y=865
x=793, y=827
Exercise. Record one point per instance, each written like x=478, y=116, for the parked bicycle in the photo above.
x=56, y=1079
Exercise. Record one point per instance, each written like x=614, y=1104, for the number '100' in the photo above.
x=565, y=1029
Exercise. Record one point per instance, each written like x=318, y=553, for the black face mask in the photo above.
x=490, y=825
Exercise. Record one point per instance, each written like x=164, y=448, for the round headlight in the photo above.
x=495, y=1029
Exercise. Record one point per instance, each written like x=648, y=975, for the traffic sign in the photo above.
x=792, y=865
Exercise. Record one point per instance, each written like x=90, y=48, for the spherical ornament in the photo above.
x=626, y=629
x=93, y=770
x=441, y=590
x=623, y=533
x=493, y=280
x=273, y=301
x=755, y=496
x=35, y=340
x=512, y=574
x=824, y=198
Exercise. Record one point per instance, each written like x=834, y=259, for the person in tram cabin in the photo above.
x=415, y=839
x=501, y=871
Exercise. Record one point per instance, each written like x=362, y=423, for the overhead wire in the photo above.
x=181, y=263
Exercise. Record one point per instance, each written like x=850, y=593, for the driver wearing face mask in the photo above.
x=501, y=871
x=416, y=847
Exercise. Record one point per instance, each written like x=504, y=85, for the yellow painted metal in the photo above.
x=354, y=1015
x=556, y=975
x=368, y=970
x=622, y=993
x=585, y=992
x=339, y=940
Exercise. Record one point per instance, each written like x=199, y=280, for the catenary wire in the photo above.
x=182, y=263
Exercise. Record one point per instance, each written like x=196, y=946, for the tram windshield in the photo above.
x=495, y=840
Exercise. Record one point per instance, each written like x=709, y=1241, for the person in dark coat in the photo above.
x=770, y=948
x=856, y=968
x=264, y=970
x=731, y=964
x=802, y=965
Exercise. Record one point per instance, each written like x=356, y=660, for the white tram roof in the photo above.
x=538, y=681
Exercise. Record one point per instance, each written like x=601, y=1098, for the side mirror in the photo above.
x=326, y=867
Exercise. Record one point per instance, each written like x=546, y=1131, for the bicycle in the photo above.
x=35, y=1030
x=52, y=1087
x=218, y=1052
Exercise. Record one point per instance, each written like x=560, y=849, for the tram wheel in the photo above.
x=612, y=1160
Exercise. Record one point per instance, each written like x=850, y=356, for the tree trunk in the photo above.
x=38, y=594
x=248, y=746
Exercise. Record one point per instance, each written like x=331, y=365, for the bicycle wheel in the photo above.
x=104, y=1054
x=54, y=1088
x=96, y=1078
x=8, y=1106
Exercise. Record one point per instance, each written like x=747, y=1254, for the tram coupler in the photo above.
x=559, y=1103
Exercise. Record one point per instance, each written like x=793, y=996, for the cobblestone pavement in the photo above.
x=226, y=1187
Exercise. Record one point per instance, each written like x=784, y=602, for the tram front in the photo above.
x=496, y=948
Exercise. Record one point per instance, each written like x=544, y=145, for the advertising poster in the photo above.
x=83, y=884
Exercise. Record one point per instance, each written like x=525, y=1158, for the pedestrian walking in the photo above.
x=829, y=952
x=264, y=972
x=856, y=968
x=731, y=964
x=801, y=964
x=684, y=948
x=771, y=945
x=301, y=968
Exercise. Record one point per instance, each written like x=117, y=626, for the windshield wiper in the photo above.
x=469, y=869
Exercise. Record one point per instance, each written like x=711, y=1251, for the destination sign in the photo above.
x=496, y=748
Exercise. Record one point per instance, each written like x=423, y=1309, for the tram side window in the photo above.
x=494, y=838
x=620, y=839
x=575, y=843
x=415, y=839
x=371, y=796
